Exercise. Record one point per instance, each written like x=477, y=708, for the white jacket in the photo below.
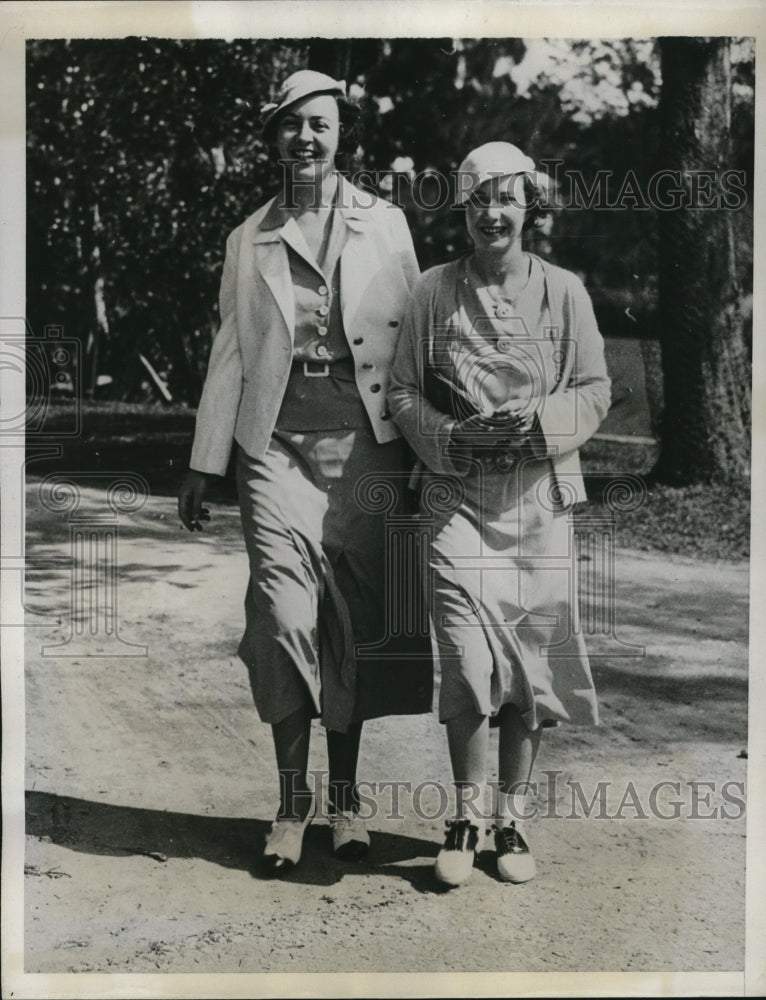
x=252, y=352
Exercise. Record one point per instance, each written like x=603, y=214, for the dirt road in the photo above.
x=149, y=787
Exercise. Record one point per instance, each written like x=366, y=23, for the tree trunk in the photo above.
x=705, y=431
x=101, y=323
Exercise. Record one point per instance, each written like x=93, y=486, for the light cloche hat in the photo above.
x=493, y=159
x=302, y=84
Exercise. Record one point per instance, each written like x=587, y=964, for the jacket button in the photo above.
x=358, y=340
x=322, y=331
x=322, y=289
x=322, y=351
x=394, y=322
x=375, y=388
x=323, y=310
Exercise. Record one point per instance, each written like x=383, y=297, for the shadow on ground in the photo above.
x=119, y=831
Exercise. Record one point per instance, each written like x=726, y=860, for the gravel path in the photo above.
x=149, y=788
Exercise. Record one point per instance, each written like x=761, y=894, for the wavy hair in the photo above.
x=537, y=196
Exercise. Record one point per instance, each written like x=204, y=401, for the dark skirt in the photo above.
x=332, y=608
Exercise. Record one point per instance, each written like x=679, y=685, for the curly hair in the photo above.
x=538, y=204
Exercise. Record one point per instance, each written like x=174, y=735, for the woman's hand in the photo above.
x=519, y=412
x=190, y=497
x=495, y=440
x=503, y=429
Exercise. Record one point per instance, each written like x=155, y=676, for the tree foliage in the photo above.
x=144, y=153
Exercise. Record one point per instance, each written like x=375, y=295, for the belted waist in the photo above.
x=343, y=368
x=316, y=401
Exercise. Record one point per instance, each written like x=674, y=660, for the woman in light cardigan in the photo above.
x=314, y=287
x=499, y=378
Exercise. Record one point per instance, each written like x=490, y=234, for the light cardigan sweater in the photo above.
x=567, y=416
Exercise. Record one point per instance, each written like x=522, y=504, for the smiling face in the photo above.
x=307, y=137
x=495, y=213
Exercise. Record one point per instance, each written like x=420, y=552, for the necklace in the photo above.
x=504, y=305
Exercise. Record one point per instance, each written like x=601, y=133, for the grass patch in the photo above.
x=704, y=521
x=99, y=417
x=711, y=522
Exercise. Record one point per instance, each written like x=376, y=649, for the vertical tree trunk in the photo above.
x=705, y=432
x=101, y=324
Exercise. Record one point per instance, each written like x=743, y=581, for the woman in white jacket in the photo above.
x=314, y=287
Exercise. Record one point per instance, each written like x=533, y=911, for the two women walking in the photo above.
x=332, y=357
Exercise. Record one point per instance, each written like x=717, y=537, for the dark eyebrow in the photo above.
x=292, y=116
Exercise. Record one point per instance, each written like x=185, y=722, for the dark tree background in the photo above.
x=705, y=430
x=144, y=153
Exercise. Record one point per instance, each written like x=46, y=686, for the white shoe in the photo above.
x=284, y=843
x=455, y=860
x=514, y=859
x=350, y=839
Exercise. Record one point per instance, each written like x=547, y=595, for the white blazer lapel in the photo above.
x=271, y=260
x=359, y=264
